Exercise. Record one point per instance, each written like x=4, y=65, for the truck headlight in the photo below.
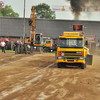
x=60, y=57
x=81, y=58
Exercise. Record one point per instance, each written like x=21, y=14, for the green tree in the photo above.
x=8, y=12
x=43, y=11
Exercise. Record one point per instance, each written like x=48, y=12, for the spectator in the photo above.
x=3, y=46
x=16, y=47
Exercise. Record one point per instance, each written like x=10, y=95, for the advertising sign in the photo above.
x=82, y=9
x=2, y=4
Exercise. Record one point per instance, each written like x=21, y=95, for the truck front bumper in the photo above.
x=71, y=60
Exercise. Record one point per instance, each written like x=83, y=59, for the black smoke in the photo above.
x=77, y=6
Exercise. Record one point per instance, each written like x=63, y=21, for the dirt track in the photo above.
x=36, y=77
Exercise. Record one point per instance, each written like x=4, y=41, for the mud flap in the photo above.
x=89, y=59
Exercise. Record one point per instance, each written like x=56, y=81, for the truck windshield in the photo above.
x=71, y=43
x=90, y=38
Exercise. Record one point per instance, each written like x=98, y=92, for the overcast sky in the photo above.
x=18, y=6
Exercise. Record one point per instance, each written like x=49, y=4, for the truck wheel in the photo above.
x=7, y=45
x=45, y=50
x=83, y=66
x=59, y=65
x=25, y=48
x=11, y=45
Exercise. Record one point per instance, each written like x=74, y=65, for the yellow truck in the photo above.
x=71, y=50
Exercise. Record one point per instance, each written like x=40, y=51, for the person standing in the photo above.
x=16, y=47
x=3, y=46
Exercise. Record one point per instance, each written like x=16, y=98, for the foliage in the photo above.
x=43, y=11
x=11, y=51
x=8, y=12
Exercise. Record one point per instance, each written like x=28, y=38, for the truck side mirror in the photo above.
x=86, y=43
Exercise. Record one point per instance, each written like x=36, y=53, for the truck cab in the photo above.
x=71, y=50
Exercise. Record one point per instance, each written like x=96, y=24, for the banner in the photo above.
x=82, y=9
x=2, y=4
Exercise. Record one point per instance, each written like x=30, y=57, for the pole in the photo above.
x=23, y=27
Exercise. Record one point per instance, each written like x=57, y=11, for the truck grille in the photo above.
x=70, y=60
x=72, y=53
